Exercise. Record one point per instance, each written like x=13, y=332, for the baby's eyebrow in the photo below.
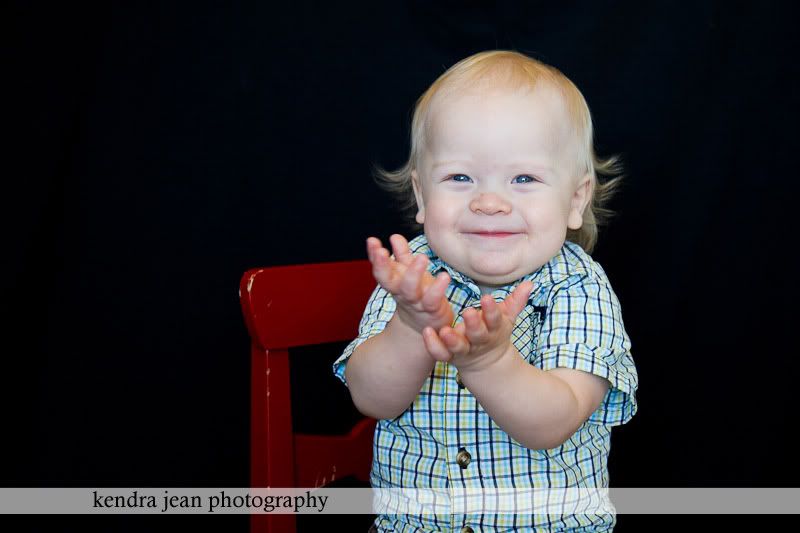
x=445, y=163
x=519, y=166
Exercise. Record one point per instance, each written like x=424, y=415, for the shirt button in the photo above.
x=458, y=381
x=467, y=529
x=463, y=458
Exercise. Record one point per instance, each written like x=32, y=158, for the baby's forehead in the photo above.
x=446, y=101
x=542, y=108
x=551, y=121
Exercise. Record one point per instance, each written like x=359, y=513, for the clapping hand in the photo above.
x=419, y=296
x=483, y=337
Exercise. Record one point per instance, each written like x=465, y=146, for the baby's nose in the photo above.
x=489, y=203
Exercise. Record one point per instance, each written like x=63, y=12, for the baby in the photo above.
x=493, y=352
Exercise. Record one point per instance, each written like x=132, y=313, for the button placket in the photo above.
x=475, y=304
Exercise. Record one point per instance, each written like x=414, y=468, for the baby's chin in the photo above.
x=494, y=276
x=495, y=282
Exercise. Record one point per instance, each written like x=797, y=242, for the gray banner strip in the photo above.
x=399, y=501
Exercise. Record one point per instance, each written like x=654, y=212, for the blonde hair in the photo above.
x=512, y=70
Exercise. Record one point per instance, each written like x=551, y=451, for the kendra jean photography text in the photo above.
x=221, y=501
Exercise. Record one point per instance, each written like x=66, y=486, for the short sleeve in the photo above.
x=583, y=330
x=380, y=309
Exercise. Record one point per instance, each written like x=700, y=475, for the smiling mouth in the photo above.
x=494, y=234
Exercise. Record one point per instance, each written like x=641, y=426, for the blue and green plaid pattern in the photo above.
x=573, y=320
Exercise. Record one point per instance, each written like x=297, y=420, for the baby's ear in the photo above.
x=418, y=195
x=580, y=199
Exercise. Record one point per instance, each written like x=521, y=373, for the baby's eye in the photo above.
x=524, y=178
x=460, y=178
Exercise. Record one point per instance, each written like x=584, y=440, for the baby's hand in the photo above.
x=419, y=296
x=483, y=337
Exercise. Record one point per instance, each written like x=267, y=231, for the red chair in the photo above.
x=286, y=307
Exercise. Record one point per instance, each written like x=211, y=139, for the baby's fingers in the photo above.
x=434, y=293
x=385, y=270
x=454, y=340
x=517, y=300
x=474, y=326
x=402, y=253
x=434, y=345
x=373, y=245
x=492, y=315
x=379, y=257
x=411, y=283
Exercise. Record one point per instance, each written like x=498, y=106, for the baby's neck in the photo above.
x=486, y=290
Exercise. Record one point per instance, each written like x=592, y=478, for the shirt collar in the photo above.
x=571, y=260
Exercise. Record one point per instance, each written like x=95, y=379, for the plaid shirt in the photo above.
x=572, y=320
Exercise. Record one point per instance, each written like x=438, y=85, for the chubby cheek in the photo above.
x=544, y=219
x=440, y=215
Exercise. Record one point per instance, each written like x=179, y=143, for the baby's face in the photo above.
x=497, y=185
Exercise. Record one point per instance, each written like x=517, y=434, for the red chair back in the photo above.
x=286, y=307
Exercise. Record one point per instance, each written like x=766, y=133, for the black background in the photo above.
x=158, y=150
